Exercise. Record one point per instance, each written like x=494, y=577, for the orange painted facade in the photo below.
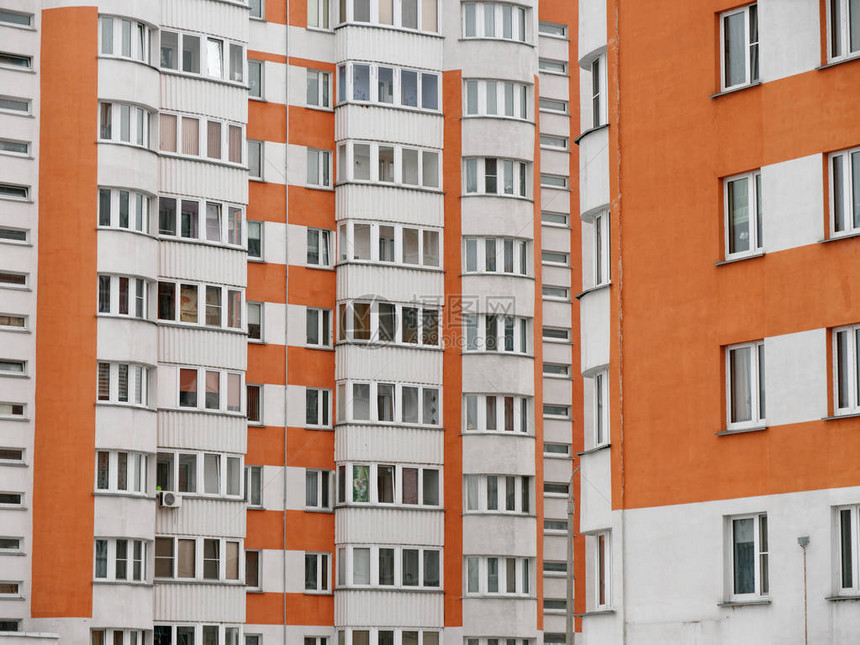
x=65, y=415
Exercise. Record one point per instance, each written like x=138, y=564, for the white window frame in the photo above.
x=761, y=583
x=475, y=168
x=203, y=153
x=839, y=21
x=254, y=486
x=256, y=151
x=602, y=554
x=846, y=385
x=324, y=327
x=756, y=386
x=260, y=308
x=322, y=82
x=136, y=472
x=425, y=335
x=138, y=124
x=846, y=527
x=552, y=29
x=346, y=90
x=137, y=302
x=487, y=98
x=601, y=249
x=227, y=304
x=27, y=24
x=200, y=560
x=524, y=573
x=347, y=488
x=478, y=405
x=489, y=255
x=554, y=142
x=260, y=67
x=751, y=75
x=325, y=248
x=477, y=335
x=231, y=221
x=600, y=408
x=223, y=72
x=322, y=484
x=261, y=4
x=846, y=165
x=260, y=392
x=223, y=391
x=397, y=13
x=323, y=577
x=346, y=166
x=319, y=169
x=111, y=561
x=597, y=78
x=347, y=574
x=323, y=18
x=484, y=494
x=323, y=408
x=138, y=207
x=28, y=105
x=225, y=634
x=136, y=377
x=474, y=14
x=201, y=466
x=346, y=408
x=348, y=249
x=550, y=66
x=754, y=208
x=138, y=49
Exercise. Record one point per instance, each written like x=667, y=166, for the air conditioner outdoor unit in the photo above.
x=168, y=499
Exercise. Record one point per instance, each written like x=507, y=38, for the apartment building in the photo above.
x=287, y=332
x=717, y=497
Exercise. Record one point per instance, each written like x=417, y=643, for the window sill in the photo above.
x=495, y=433
x=471, y=39
x=854, y=597
x=111, y=493
x=557, y=341
x=585, y=133
x=195, y=581
x=13, y=554
x=497, y=117
x=325, y=189
x=567, y=301
x=596, y=612
x=6, y=417
x=725, y=433
x=255, y=508
x=556, y=112
x=555, y=149
x=323, y=511
x=321, y=428
x=258, y=99
x=835, y=237
x=598, y=287
x=320, y=267
x=497, y=195
x=311, y=592
x=553, y=455
x=558, y=377
x=564, y=189
x=320, y=108
x=12, y=597
x=836, y=417
x=564, y=227
x=552, y=73
x=319, y=348
x=15, y=375
x=129, y=583
x=591, y=451
x=28, y=115
x=495, y=274
x=847, y=59
x=732, y=90
x=508, y=514
x=385, y=507
x=740, y=258
x=16, y=330
x=15, y=68
x=744, y=603
x=553, y=417
x=254, y=260
x=13, y=464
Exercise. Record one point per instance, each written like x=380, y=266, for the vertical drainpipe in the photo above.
x=571, y=576
x=286, y=297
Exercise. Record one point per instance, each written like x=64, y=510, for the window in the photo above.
x=252, y=570
x=317, y=487
x=319, y=246
x=207, y=305
x=126, y=209
x=496, y=255
x=389, y=243
x=120, y=560
x=254, y=404
x=7, y=498
x=843, y=28
x=123, y=383
x=848, y=557
x=208, y=57
x=381, y=163
x=199, y=473
x=12, y=410
x=748, y=556
x=15, y=61
x=256, y=7
x=552, y=66
x=553, y=143
x=255, y=78
x=253, y=639
x=10, y=625
x=739, y=52
x=556, y=450
x=13, y=104
x=489, y=20
x=395, y=403
x=13, y=147
x=255, y=240
x=420, y=15
x=254, y=486
x=11, y=455
x=382, y=636
x=389, y=484
x=497, y=494
x=553, y=181
x=496, y=333
x=600, y=397
x=12, y=367
x=255, y=320
x=846, y=399
x=117, y=636
x=124, y=38
x=123, y=296
x=560, y=219
x=192, y=136
x=12, y=322
x=391, y=567
x=319, y=168
x=844, y=171
x=492, y=176
x=552, y=29
x=121, y=472
x=496, y=98
x=13, y=192
x=555, y=334
x=598, y=91
x=556, y=369
x=745, y=386
x=255, y=160
x=124, y=123
x=496, y=413
x=743, y=214
x=318, y=326
x=602, y=569
x=316, y=571
x=600, y=230
x=16, y=18
x=550, y=291
x=318, y=407
x=196, y=633
x=551, y=410
x=318, y=88
x=319, y=13
x=387, y=85
x=498, y=576
x=552, y=105
x=201, y=389
x=385, y=322
x=554, y=257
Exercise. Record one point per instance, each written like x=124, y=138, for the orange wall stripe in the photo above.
x=313, y=64
x=264, y=529
x=302, y=609
x=267, y=121
x=310, y=531
x=266, y=364
x=254, y=54
x=299, y=14
x=265, y=446
x=64, y=458
x=312, y=287
x=267, y=282
x=311, y=128
x=267, y=202
x=276, y=11
x=312, y=208
x=310, y=367
x=452, y=360
x=310, y=448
